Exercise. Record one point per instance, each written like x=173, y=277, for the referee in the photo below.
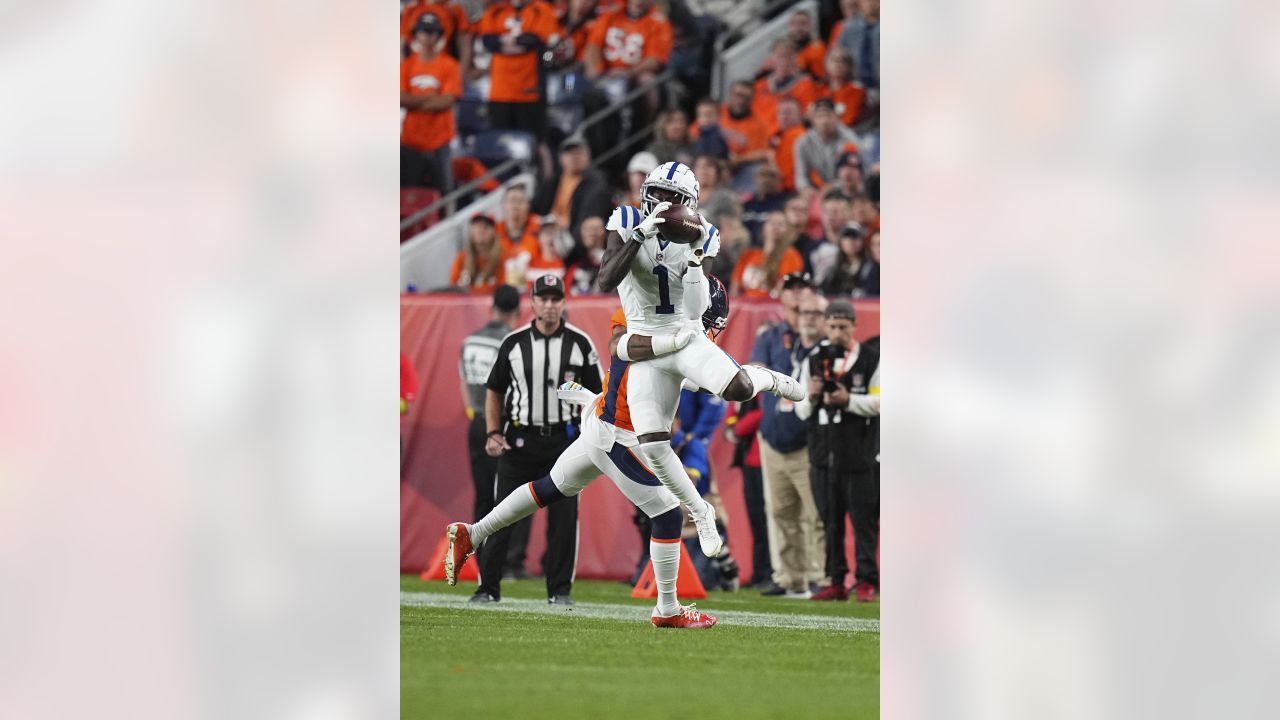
x=527, y=430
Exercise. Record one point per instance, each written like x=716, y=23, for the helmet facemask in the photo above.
x=654, y=192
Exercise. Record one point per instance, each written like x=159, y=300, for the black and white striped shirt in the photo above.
x=530, y=366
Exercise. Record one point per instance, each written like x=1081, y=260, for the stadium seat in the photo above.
x=495, y=147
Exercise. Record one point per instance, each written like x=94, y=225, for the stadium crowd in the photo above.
x=788, y=162
x=788, y=168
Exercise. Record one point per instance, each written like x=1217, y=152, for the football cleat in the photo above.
x=459, y=550
x=866, y=592
x=787, y=387
x=688, y=617
x=708, y=535
x=835, y=591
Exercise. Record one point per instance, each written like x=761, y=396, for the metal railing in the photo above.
x=719, y=65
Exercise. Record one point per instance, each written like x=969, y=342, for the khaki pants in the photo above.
x=796, y=539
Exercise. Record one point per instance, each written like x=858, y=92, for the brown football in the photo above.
x=682, y=225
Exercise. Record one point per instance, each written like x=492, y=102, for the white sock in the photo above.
x=666, y=563
x=663, y=462
x=762, y=379
x=513, y=508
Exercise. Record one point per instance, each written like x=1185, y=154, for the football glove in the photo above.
x=710, y=243
x=631, y=225
x=574, y=394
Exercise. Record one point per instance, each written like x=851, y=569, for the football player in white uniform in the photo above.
x=606, y=446
x=664, y=291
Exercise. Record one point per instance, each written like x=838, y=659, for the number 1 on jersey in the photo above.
x=664, y=292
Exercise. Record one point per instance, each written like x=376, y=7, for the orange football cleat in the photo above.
x=688, y=617
x=459, y=550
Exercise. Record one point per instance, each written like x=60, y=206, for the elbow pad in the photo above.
x=697, y=296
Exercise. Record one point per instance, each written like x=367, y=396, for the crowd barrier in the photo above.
x=435, y=474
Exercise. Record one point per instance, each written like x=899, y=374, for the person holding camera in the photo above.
x=843, y=414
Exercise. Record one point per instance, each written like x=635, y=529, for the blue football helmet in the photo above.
x=716, y=317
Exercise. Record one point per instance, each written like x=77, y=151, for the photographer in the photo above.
x=843, y=411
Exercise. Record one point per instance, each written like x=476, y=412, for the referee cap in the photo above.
x=548, y=285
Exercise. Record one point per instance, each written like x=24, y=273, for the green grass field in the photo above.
x=767, y=657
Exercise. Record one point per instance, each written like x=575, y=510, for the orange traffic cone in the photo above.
x=688, y=584
x=435, y=569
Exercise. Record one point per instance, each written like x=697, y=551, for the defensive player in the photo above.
x=606, y=446
x=662, y=284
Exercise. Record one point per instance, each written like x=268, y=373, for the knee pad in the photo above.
x=668, y=525
x=658, y=453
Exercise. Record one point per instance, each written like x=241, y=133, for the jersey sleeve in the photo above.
x=461, y=23
x=456, y=271
x=404, y=76
x=595, y=36
x=619, y=320
x=500, y=375
x=591, y=379
x=792, y=262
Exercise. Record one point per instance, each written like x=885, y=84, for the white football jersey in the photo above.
x=652, y=292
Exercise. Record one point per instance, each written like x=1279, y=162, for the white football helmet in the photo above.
x=675, y=177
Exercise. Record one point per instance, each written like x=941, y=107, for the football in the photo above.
x=681, y=225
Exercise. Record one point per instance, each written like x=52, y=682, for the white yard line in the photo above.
x=634, y=613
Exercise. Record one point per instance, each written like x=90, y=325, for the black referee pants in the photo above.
x=858, y=495
x=531, y=456
x=484, y=473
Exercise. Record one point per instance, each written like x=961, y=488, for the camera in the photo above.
x=822, y=365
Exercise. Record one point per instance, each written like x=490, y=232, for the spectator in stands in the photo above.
x=849, y=180
x=577, y=192
x=479, y=264
x=769, y=197
x=518, y=231
x=746, y=134
x=797, y=213
x=430, y=85
x=820, y=253
x=760, y=270
x=866, y=212
x=739, y=17
x=795, y=528
x=455, y=24
x=819, y=149
x=638, y=168
x=840, y=87
x=848, y=8
x=710, y=138
x=861, y=37
x=782, y=80
x=852, y=269
x=580, y=278
x=672, y=142
x=627, y=48
x=783, y=143
x=810, y=52
x=517, y=32
x=576, y=19
x=549, y=258
x=714, y=201
x=734, y=239
x=869, y=281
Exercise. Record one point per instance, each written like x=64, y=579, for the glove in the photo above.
x=649, y=227
x=574, y=394
x=710, y=243
x=627, y=222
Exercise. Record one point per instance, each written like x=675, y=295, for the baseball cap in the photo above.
x=853, y=229
x=549, y=284
x=823, y=103
x=483, y=217
x=428, y=22
x=506, y=298
x=643, y=162
x=797, y=279
x=840, y=310
x=572, y=141
x=849, y=158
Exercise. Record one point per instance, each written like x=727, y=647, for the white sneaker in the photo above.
x=708, y=536
x=787, y=387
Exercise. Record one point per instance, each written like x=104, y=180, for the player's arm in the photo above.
x=867, y=405
x=427, y=103
x=616, y=261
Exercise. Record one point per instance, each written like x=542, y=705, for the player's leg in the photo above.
x=572, y=472
x=652, y=394
x=647, y=492
x=709, y=367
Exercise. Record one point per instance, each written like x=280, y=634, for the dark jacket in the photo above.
x=590, y=198
x=838, y=438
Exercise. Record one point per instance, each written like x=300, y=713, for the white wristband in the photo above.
x=622, y=347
